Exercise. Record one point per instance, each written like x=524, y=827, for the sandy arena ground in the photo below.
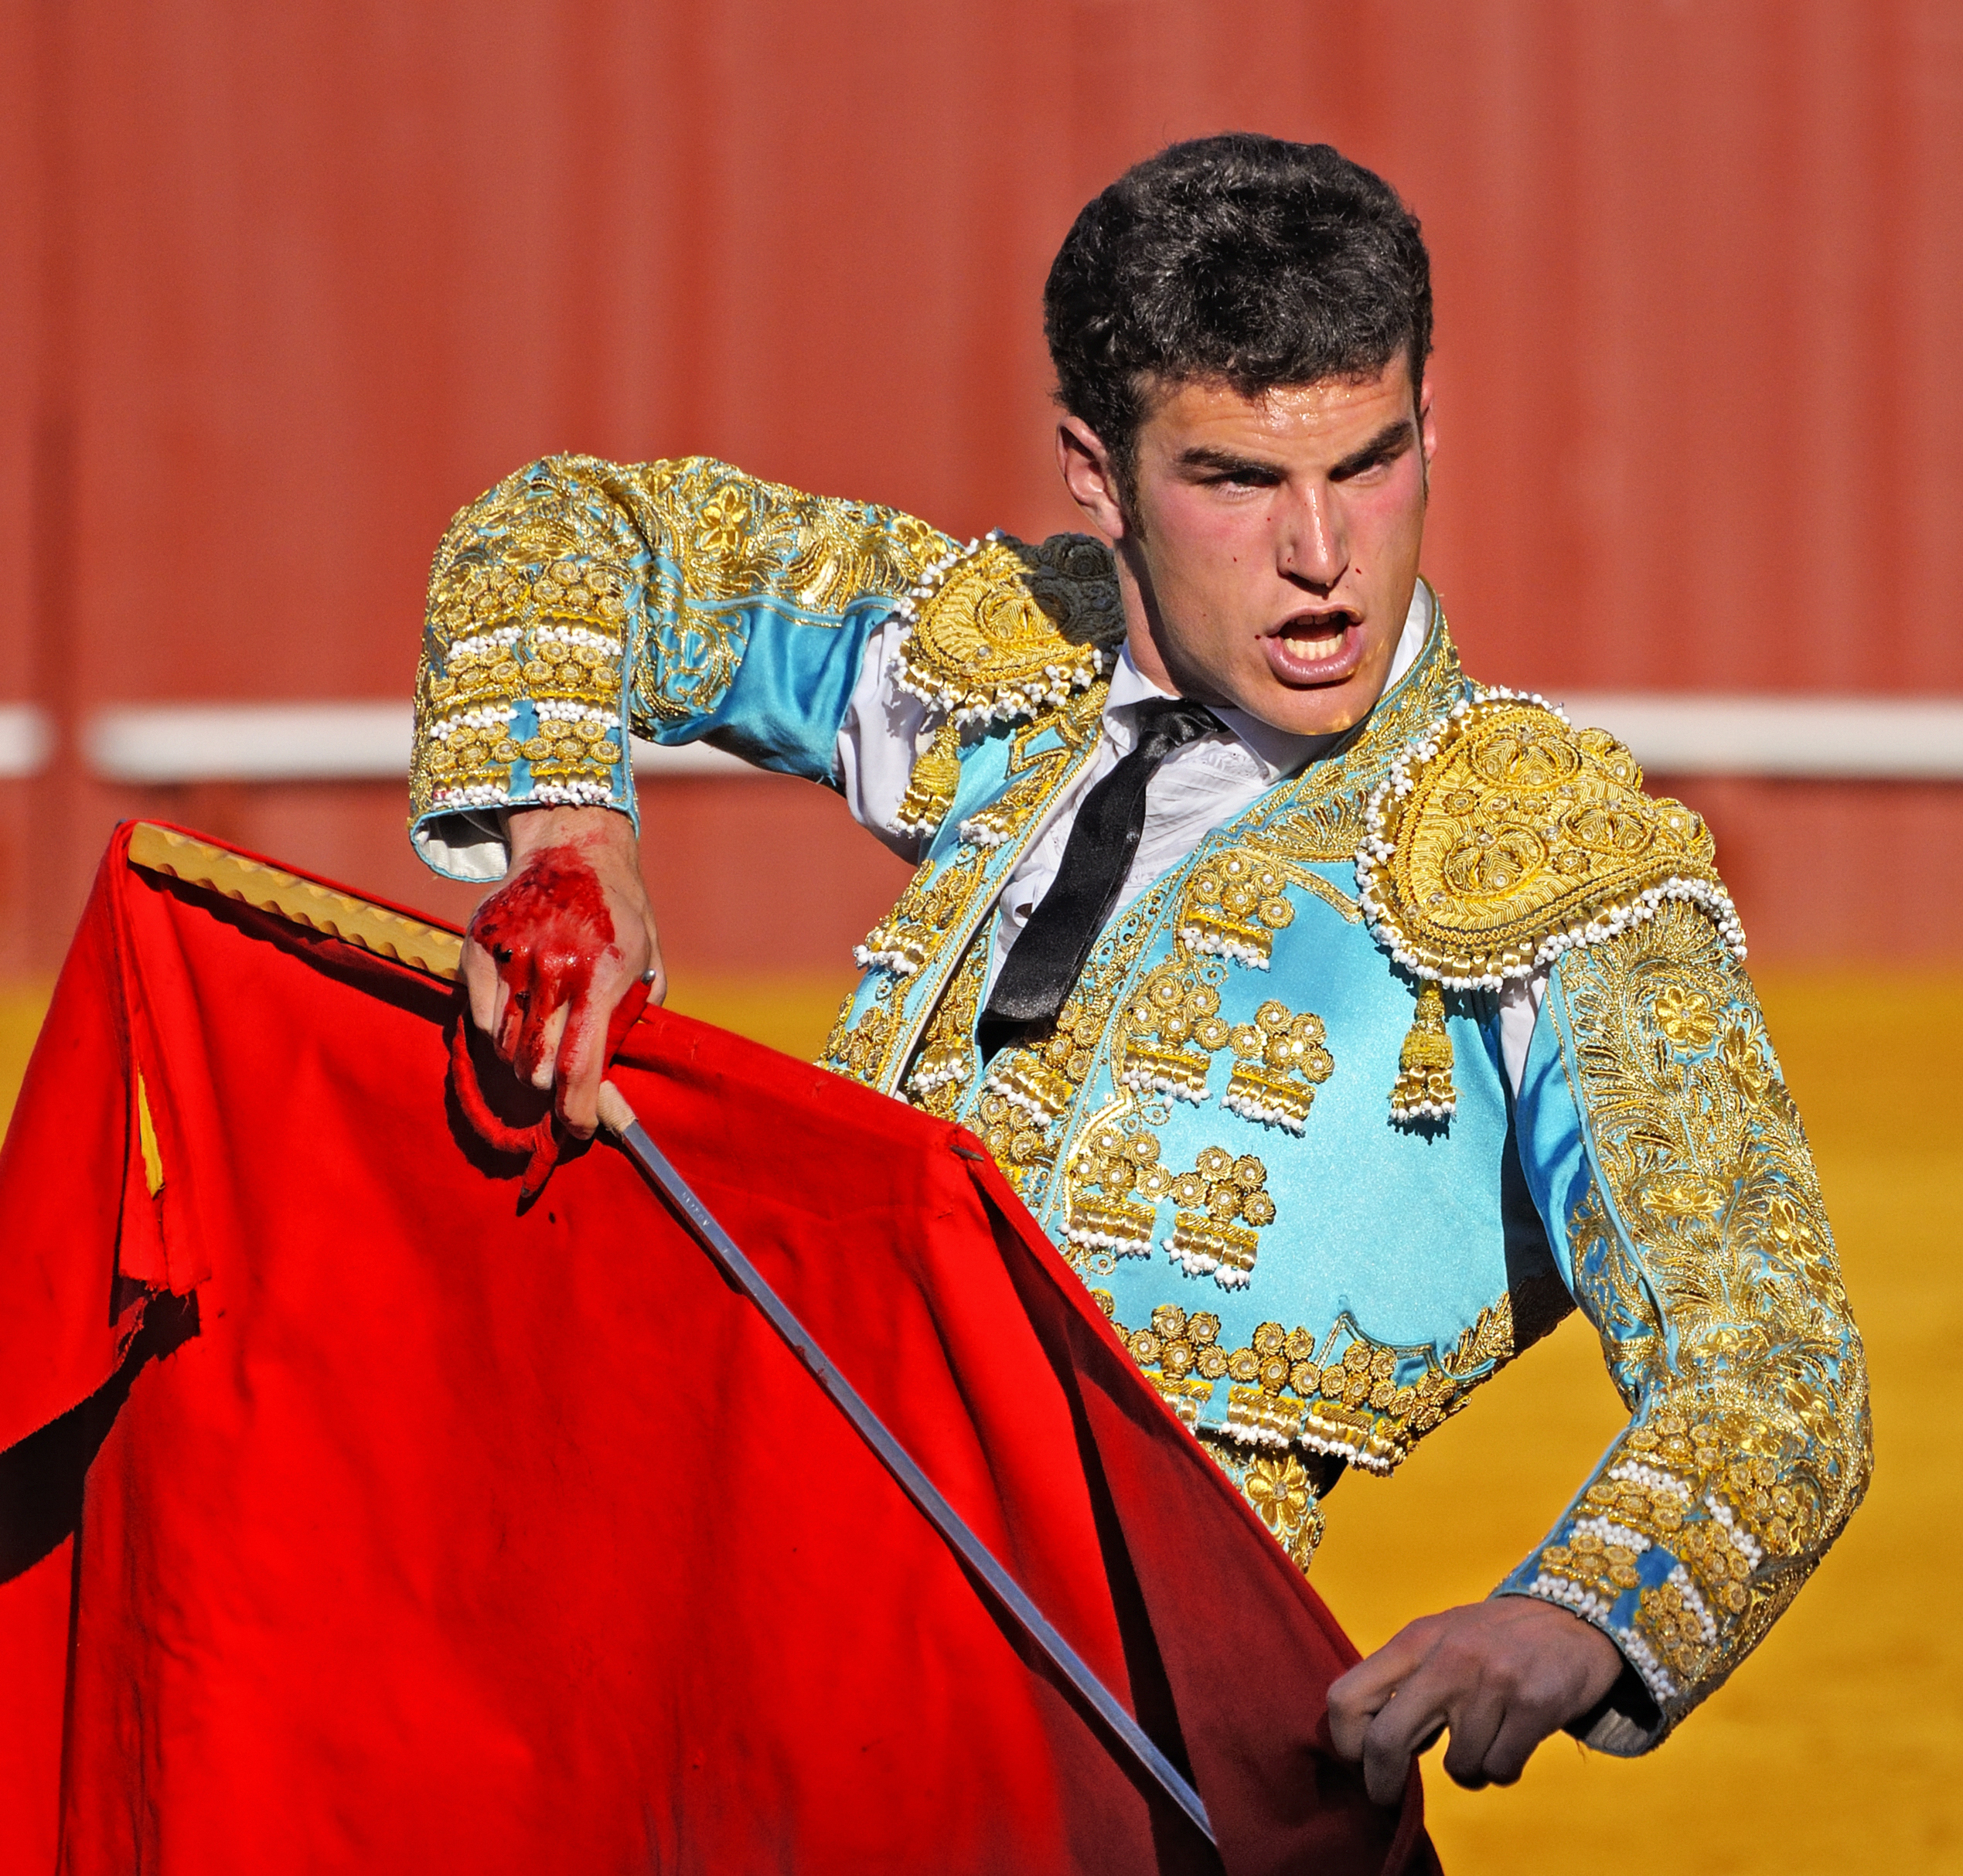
x=1838, y=1747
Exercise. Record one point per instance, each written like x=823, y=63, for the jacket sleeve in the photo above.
x=580, y=600
x=1673, y=1174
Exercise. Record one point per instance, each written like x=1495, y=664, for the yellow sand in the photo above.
x=1839, y=1746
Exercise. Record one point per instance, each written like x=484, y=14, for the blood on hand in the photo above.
x=546, y=930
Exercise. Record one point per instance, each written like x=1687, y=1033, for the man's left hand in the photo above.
x=1501, y=1675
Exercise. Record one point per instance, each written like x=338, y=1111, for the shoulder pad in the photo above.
x=1504, y=836
x=1003, y=629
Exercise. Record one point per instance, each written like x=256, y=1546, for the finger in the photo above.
x=1476, y=1721
x=654, y=973
x=1402, y=1730
x=549, y=1032
x=1387, y=1764
x=582, y=1062
x=616, y=1111
x=1520, y=1733
x=1359, y=1696
x=480, y=979
x=532, y=1007
x=516, y=984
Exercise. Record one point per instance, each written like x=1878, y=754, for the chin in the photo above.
x=1313, y=710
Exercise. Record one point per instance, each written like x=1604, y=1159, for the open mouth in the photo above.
x=1320, y=647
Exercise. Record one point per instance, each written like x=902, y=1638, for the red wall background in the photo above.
x=288, y=284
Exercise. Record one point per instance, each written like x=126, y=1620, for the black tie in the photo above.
x=1047, y=960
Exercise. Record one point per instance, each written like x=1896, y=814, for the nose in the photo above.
x=1311, y=545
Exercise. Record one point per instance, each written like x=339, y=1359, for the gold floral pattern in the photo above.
x=1117, y=1183
x=1235, y=902
x=1220, y=1207
x=1030, y=1090
x=1283, y=1492
x=1503, y=837
x=578, y=593
x=1283, y=1058
x=858, y=1047
x=946, y=1061
x=914, y=931
x=723, y=543
x=1702, y=1253
x=1368, y=1403
x=1172, y=1028
x=1008, y=629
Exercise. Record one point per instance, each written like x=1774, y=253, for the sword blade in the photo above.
x=620, y=1119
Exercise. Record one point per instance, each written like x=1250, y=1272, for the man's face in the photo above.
x=1270, y=552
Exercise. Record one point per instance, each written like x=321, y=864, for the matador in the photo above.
x=1344, y=1020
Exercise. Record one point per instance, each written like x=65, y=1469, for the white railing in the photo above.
x=1874, y=738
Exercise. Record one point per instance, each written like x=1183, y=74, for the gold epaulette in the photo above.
x=1505, y=836
x=1000, y=632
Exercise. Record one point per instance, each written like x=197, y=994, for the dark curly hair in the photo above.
x=1237, y=259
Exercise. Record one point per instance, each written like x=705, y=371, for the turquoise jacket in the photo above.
x=1272, y=1129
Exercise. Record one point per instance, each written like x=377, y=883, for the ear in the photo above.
x=1085, y=465
x=1427, y=424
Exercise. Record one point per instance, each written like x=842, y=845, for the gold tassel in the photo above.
x=1424, y=1090
x=936, y=774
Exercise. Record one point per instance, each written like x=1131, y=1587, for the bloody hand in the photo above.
x=552, y=952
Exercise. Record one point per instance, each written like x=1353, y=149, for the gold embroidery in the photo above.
x=1030, y=1094
x=946, y=1060
x=550, y=590
x=860, y=1049
x=1037, y=772
x=1283, y=1492
x=1207, y=1240
x=1706, y=1261
x=1704, y=1488
x=913, y=932
x=1374, y=1404
x=1282, y=1061
x=1185, y=1362
x=1116, y=1184
x=1001, y=632
x=529, y=667
x=1366, y=1402
x=1026, y=1091
x=936, y=776
x=1030, y=1088
x=1423, y=1090
x=1233, y=906
x=1171, y=1029
x=1505, y=837
x=1111, y=1165
x=1007, y=628
x=734, y=539
x=1278, y=1489
x=1172, y=1026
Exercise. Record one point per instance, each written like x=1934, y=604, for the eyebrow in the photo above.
x=1392, y=440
